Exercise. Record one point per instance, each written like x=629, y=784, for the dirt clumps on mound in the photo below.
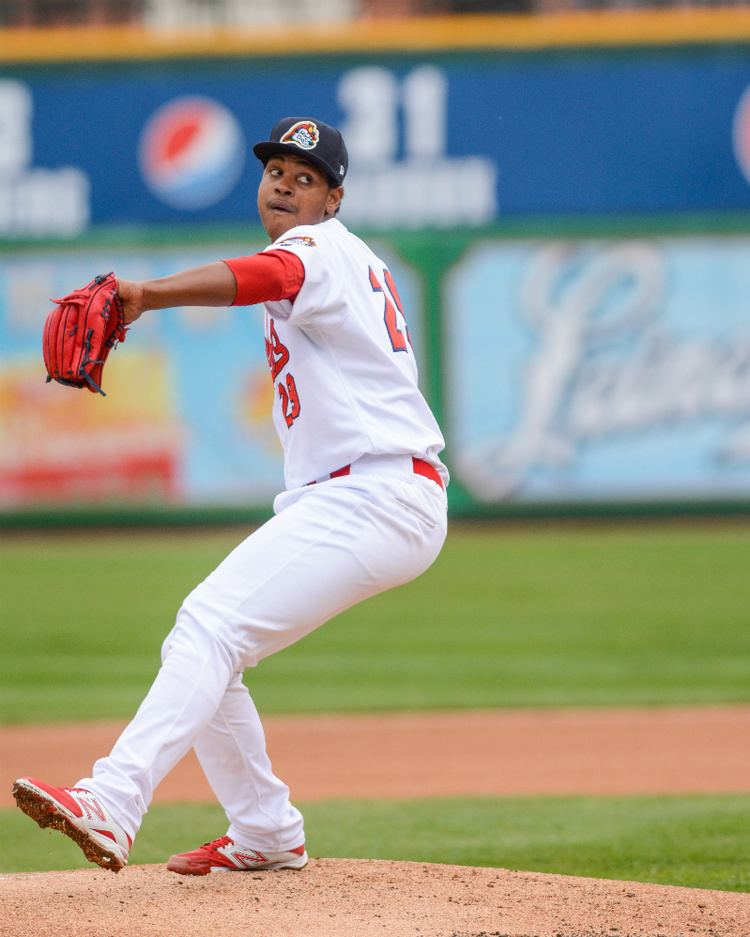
x=358, y=898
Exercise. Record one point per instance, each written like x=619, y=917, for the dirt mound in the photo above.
x=358, y=898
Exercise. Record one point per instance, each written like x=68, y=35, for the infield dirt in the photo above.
x=356, y=898
x=496, y=752
x=401, y=755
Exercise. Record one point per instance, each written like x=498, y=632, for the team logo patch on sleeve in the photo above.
x=303, y=134
x=302, y=239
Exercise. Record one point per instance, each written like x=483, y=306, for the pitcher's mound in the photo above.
x=358, y=898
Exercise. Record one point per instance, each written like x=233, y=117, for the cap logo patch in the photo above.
x=303, y=134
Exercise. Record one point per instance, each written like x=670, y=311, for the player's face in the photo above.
x=292, y=192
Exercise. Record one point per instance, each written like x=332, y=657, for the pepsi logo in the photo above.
x=191, y=153
x=741, y=134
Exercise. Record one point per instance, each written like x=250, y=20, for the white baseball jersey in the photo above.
x=344, y=371
x=345, y=383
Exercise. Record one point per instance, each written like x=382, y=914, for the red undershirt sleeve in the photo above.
x=266, y=277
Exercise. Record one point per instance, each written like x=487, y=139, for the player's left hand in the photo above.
x=81, y=331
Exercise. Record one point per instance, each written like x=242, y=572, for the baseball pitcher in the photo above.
x=363, y=510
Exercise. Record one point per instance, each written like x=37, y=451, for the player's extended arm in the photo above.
x=210, y=285
x=242, y=281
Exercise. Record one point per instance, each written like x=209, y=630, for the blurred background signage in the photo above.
x=434, y=143
x=566, y=210
x=601, y=369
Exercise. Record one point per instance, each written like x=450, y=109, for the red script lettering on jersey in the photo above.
x=276, y=352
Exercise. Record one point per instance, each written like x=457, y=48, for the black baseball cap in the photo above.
x=319, y=144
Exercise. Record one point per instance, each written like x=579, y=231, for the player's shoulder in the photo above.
x=327, y=239
x=301, y=236
x=347, y=242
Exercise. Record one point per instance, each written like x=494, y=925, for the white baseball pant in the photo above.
x=329, y=546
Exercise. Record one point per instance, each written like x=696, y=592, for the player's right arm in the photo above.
x=242, y=281
x=209, y=285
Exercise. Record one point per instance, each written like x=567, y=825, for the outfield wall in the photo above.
x=575, y=371
x=567, y=217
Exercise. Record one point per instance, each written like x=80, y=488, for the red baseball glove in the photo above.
x=81, y=331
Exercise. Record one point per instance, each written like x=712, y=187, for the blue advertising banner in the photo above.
x=435, y=141
x=187, y=416
x=600, y=370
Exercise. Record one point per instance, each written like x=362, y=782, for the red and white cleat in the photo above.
x=224, y=855
x=77, y=813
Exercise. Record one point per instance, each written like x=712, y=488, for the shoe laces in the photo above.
x=216, y=843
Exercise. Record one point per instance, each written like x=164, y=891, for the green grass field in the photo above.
x=542, y=615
